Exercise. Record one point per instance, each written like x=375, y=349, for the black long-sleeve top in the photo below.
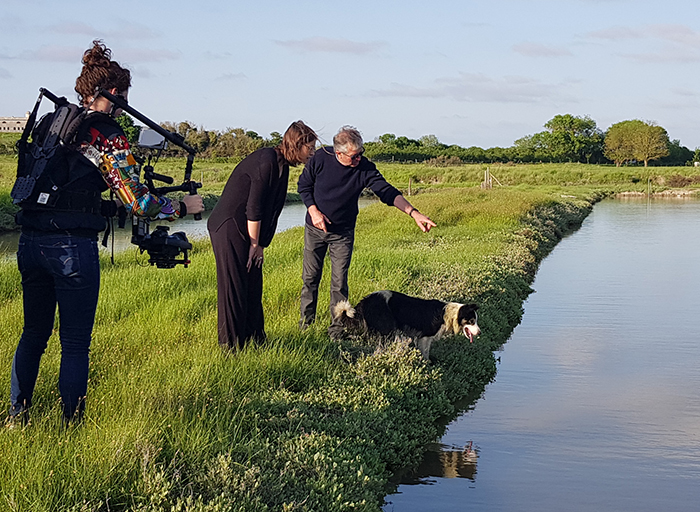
x=335, y=188
x=255, y=191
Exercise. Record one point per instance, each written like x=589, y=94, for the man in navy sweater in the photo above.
x=330, y=186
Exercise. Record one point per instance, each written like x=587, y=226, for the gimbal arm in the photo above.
x=187, y=185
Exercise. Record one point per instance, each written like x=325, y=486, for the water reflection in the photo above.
x=443, y=461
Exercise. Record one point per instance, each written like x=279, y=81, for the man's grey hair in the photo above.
x=348, y=137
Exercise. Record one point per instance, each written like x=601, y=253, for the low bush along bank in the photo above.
x=299, y=423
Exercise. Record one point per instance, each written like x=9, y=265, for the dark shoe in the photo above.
x=73, y=421
x=18, y=417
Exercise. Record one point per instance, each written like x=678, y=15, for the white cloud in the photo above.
x=666, y=56
x=228, y=77
x=674, y=33
x=4, y=74
x=674, y=43
x=209, y=55
x=617, y=33
x=132, y=55
x=128, y=29
x=688, y=93
x=479, y=88
x=328, y=45
x=53, y=53
x=540, y=50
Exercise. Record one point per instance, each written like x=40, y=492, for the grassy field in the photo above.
x=417, y=178
x=299, y=423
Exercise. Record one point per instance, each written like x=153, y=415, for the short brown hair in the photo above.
x=100, y=72
x=295, y=138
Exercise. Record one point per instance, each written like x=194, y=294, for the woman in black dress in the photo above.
x=243, y=223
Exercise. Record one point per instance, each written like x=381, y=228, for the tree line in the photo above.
x=228, y=143
x=566, y=138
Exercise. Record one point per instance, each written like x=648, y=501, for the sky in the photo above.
x=473, y=73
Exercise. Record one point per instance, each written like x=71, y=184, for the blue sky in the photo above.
x=473, y=73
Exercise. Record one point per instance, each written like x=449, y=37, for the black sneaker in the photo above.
x=76, y=418
x=18, y=418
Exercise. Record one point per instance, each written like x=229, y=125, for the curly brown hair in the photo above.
x=100, y=72
x=295, y=138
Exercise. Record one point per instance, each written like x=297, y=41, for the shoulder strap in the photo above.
x=90, y=118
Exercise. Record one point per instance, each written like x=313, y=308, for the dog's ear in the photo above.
x=473, y=307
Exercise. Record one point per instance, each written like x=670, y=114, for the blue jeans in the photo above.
x=63, y=270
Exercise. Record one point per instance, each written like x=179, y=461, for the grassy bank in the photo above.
x=299, y=423
x=417, y=178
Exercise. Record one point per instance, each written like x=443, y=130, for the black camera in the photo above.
x=162, y=248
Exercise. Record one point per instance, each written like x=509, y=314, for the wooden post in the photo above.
x=487, y=183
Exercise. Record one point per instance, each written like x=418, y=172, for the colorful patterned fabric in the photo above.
x=120, y=170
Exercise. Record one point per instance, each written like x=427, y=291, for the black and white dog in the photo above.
x=388, y=313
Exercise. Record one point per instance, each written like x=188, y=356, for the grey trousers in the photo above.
x=339, y=248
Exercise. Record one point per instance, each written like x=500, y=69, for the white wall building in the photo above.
x=13, y=124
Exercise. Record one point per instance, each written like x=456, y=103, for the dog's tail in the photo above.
x=345, y=314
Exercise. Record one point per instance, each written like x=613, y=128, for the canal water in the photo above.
x=292, y=215
x=596, y=404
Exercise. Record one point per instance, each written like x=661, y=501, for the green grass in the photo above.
x=299, y=423
x=417, y=178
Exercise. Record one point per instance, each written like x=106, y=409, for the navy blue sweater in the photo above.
x=335, y=188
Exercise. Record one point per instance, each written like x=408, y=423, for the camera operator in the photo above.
x=58, y=255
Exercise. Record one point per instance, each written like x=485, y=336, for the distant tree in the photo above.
x=568, y=138
x=573, y=125
x=677, y=155
x=131, y=130
x=199, y=139
x=533, y=148
x=185, y=127
x=474, y=154
x=574, y=138
x=650, y=143
x=275, y=139
x=235, y=142
x=636, y=140
x=619, y=142
x=404, y=142
x=388, y=139
x=429, y=141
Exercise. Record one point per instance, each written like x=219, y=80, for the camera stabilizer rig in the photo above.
x=162, y=248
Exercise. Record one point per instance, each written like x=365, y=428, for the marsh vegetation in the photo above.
x=298, y=423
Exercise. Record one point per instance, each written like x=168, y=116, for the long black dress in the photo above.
x=255, y=191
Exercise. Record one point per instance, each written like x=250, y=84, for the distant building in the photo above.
x=13, y=124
